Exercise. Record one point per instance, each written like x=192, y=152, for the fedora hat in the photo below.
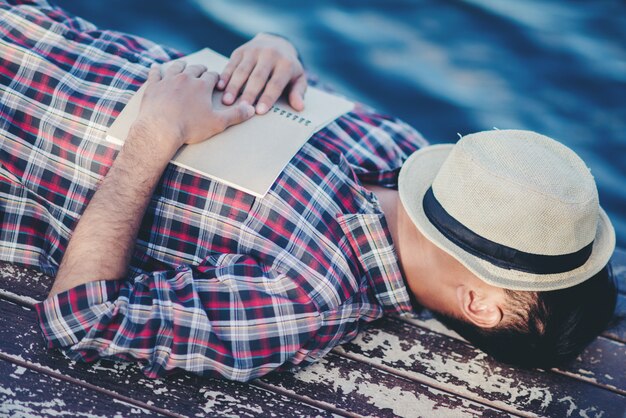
x=518, y=209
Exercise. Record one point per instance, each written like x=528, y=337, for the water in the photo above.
x=446, y=67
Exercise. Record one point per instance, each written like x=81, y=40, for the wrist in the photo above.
x=145, y=154
x=155, y=141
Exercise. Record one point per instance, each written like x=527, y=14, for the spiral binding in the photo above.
x=291, y=115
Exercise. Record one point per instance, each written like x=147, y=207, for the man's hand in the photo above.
x=266, y=65
x=179, y=107
x=176, y=109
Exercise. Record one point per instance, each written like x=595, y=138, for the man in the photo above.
x=502, y=234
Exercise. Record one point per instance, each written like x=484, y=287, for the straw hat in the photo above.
x=518, y=209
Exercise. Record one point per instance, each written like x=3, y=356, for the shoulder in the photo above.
x=370, y=140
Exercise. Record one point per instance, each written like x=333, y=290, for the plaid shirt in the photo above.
x=221, y=282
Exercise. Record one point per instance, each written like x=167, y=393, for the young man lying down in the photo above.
x=501, y=234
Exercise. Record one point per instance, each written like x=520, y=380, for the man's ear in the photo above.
x=478, y=306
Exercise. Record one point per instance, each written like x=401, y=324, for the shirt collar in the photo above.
x=369, y=237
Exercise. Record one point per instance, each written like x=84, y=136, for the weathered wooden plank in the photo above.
x=337, y=382
x=24, y=283
x=604, y=363
x=364, y=390
x=182, y=394
x=441, y=361
x=20, y=283
x=27, y=393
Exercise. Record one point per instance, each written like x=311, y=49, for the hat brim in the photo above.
x=416, y=177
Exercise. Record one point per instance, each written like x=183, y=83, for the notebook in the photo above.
x=251, y=155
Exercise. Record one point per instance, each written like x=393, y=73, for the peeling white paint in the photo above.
x=117, y=367
x=161, y=391
x=322, y=372
x=19, y=370
x=591, y=412
x=585, y=372
x=133, y=408
x=218, y=402
x=363, y=384
x=572, y=406
x=6, y=391
x=29, y=408
x=446, y=368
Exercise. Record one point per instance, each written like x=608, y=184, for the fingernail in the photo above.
x=261, y=108
x=228, y=98
x=249, y=110
x=221, y=84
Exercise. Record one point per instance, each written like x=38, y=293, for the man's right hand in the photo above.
x=177, y=108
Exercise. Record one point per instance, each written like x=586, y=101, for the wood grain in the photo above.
x=27, y=393
x=356, y=387
x=334, y=383
x=449, y=363
x=397, y=368
x=182, y=394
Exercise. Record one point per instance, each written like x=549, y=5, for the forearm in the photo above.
x=176, y=109
x=103, y=241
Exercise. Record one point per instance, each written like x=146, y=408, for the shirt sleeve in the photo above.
x=226, y=317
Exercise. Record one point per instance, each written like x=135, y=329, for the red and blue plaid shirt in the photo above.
x=221, y=282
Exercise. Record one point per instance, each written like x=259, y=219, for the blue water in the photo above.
x=446, y=67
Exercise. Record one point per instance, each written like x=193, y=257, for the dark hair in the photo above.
x=546, y=329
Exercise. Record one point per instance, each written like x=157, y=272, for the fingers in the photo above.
x=227, y=73
x=154, y=74
x=178, y=67
x=195, y=70
x=175, y=68
x=296, y=95
x=256, y=82
x=274, y=88
x=238, y=79
x=212, y=79
x=237, y=114
x=262, y=68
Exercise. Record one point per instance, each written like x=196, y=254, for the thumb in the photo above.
x=237, y=114
x=154, y=74
x=296, y=95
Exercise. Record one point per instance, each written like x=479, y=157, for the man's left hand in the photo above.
x=267, y=65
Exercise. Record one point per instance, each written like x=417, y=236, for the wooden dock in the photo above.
x=399, y=367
